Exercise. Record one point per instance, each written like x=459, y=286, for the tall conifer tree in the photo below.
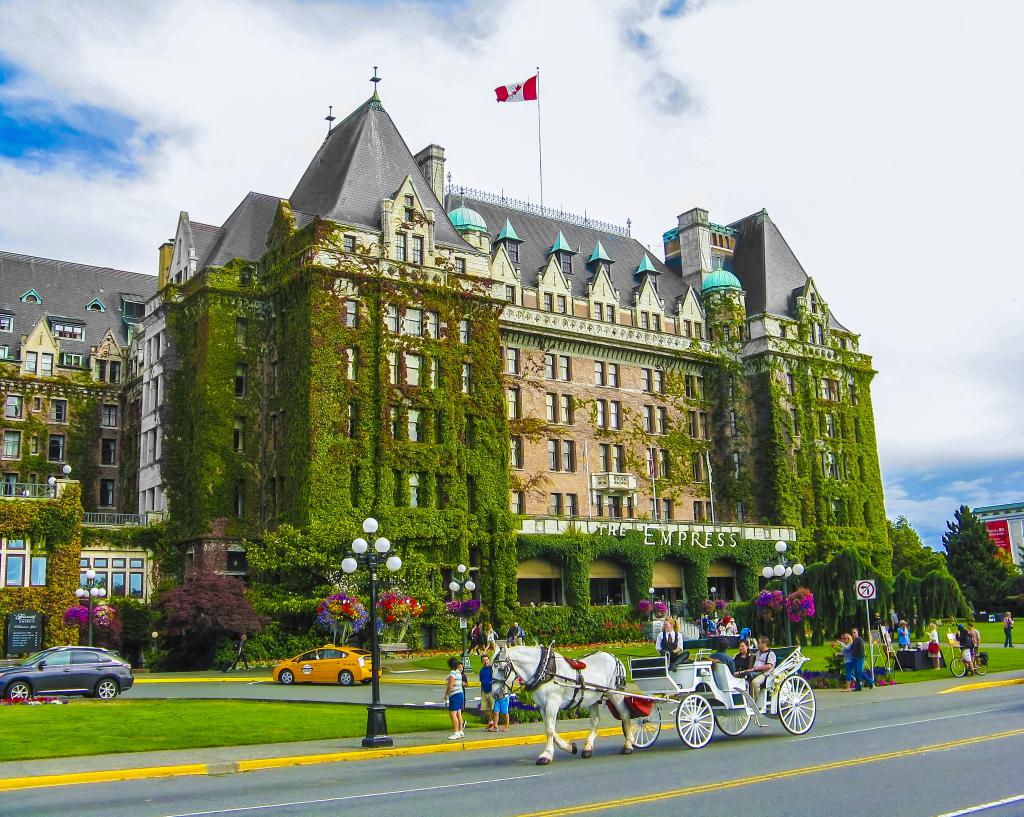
x=973, y=560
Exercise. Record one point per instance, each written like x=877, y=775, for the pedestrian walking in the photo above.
x=239, y=654
x=1007, y=630
x=860, y=677
x=844, y=651
x=490, y=639
x=515, y=635
x=455, y=698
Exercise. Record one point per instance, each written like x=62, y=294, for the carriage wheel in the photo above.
x=733, y=721
x=797, y=707
x=643, y=732
x=695, y=721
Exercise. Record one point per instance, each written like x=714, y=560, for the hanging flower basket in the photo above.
x=343, y=615
x=463, y=609
x=800, y=604
x=396, y=610
x=645, y=606
x=768, y=602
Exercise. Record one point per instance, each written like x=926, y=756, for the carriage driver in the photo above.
x=670, y=644
x=764, y=663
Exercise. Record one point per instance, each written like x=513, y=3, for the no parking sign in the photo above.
x=865, y=589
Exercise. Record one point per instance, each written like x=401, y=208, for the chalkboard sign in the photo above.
x=23, y=632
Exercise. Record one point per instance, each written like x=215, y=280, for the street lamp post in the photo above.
x=650, y=592
x=376, y=719
x=460, y=583
x=783, y=569
x=90, y=591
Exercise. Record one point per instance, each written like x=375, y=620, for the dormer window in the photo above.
x=132, y=308
x=6, y=323
x=513, y=251
x=68, y=331
x=96, y=305
x=409, y=208
x=565, y=260
x=31, y=297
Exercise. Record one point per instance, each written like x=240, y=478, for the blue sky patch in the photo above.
x=35, y=131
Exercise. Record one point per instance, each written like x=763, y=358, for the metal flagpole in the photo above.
x=711, y=485
x=654, y=479
x=540, y=154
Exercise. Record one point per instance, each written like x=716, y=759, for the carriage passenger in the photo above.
x=670, y=644
x=764, y=664
x=743, y=661
x=721, y=660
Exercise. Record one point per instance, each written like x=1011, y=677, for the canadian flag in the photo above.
x=518, y=91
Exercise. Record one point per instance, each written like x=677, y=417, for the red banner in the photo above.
x=999, y=532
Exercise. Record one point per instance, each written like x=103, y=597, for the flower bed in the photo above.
x=37, y=701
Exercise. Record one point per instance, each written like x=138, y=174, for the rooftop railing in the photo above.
x=120, y=520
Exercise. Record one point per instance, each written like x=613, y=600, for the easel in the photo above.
x=891, y=659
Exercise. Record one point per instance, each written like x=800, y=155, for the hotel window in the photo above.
x=517, y=502
x=106, y=493
x=460, y=266
x=413, y=363
x=853, y=392
x=6, y=323
x=736, y=464
x=687, y=329
x=692, y=418
x=241, y=331
x=46, y=365
x=467, y=378
x=602, y=413
x=565, y=259
x=565, y=401
x=34, y=449
x=645, y=320
x=417, y=249
x=613, y=375
x=12, y=445
x=69, y=331
x=604, y=456
x=615, y=414
x=433, y=325
x=14, y=407
x=662, y=423
x=551, y=407
x=564, y=368
x=108, y=452
x=391, y=318
x=239, y=497
x=659, y=381
x=698, y=330
x=350, y=243
x=510, y=293
x=568, y=455
x=439, y=426
x=512, y=399
x=649, y=419
x=435, y=374
x=351, y=314
x=599, y=373
x=697, y=466
x=612, y=311
x=55, y=451
x=549, y=366
x=465, y=331
x=656, y=322
x=413, y=324
x=856, y=429
x=698, y=511
x=241, y=377
x=618, y=458
x=414, y=425
x=555, y=507
x=598, y=311
x=109, y=416
x=552, y=455
x=511, y=360
x=666, y=510
x=733, y=428
x=30, y=362
x=351, y=362
x=409, y=205
x=663, y=462
x=705, y=425
x=645, y=380
x=790, y=383
x=796, y=423
x=353, y=418
x=562, y=306
x=572, y=505
x=393, y=368
x=401, y=246
x=414, y=490
x=549, y=302
x=516, y=451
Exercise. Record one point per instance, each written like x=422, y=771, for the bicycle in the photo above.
x=958, y=666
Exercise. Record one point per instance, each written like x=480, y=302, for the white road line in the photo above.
x=983, y=807
x=240, y=809
x=904, y=723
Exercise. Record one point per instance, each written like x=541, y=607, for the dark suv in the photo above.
x=89, y=671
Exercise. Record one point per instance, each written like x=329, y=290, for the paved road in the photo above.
x=919, y=756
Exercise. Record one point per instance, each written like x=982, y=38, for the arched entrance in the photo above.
x=607, y=582
x=539, y=581
x=668, y=582
x=722, y=576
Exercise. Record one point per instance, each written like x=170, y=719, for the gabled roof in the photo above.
x=66, y=288
x=536, y=231
x=244, y=234
x=768, y=269
x=362, y=162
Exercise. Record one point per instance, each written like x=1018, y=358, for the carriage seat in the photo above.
x=575, y=663
x=726, y=681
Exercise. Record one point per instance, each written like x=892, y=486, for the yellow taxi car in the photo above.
x=329, y=664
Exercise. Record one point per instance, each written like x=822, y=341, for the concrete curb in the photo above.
x=258, y=764
x=982, y=685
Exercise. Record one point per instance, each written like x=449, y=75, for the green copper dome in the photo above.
x=721, y=279
x=467, y=221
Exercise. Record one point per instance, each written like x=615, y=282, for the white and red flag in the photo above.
x=525, y=91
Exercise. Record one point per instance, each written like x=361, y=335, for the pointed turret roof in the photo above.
x=361, y=162
x=599, y=254
x=508, y=232
x=561, y=245
x=646, y=266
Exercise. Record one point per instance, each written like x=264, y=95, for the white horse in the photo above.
x=556, y=684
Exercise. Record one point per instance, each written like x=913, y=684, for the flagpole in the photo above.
x=540, y=154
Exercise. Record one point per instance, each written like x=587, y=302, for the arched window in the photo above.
x=538, y=581
x=607, y=582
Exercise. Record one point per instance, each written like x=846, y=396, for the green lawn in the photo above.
x=141, y=726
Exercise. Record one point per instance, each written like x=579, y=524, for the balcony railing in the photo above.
x=613, y=482
x=120, y=520
x=26, y=490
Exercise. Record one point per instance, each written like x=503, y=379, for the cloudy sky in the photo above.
x=884, y=139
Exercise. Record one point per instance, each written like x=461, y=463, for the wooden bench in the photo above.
x=394, y=649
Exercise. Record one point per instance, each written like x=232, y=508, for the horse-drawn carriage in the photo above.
x=698, y=694
x=701, y=694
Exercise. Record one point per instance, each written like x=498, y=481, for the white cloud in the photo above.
x=880, y=136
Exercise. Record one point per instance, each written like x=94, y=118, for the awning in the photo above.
x=538, y=569
x=721, y=570
x=667, y=574
x=606, y=569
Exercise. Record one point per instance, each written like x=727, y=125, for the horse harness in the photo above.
x=547, y=671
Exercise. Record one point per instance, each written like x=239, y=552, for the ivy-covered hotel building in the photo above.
x=530, y=392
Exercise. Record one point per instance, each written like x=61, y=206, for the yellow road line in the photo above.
x=113, y=775
x=585, y=808
x=982, y=685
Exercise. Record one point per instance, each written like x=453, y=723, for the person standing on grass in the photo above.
x=486, y=698
x=903, y=636
x=455, y=697
x=1007, y=630
x=857, y=657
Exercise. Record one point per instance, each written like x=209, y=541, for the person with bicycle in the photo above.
x=966, y=642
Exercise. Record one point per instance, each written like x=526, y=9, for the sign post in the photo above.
x=23, y=632
x=866, y=590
